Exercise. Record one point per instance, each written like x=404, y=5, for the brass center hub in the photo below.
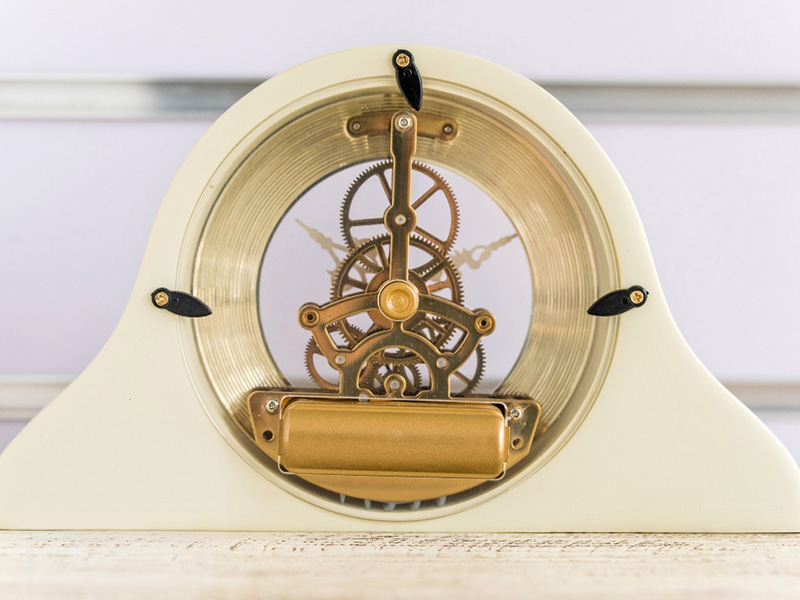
x=398, y=300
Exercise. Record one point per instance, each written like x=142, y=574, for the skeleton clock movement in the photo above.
x=398, y=289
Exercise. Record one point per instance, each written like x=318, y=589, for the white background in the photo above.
x=719, y=199
x=679, y=40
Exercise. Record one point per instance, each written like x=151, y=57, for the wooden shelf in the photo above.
x=161, y=565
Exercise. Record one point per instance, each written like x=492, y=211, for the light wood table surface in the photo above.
x=112, y=565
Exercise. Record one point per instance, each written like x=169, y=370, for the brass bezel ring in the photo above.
x=559, y=220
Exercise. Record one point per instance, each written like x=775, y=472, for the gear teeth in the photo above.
x=308, y=353
x=418, y=374
x=311, y=350
x=408, y=370
x=481, y=369
x=344, y=266
x=459, y=284
x=348, y=261
x=366, y=379
x=337, y=275
x=382, y=166
x=354, y=333
x=452, y=201
x=446, y=259
x=375, y=240
x=480, y=355
x=416, y=241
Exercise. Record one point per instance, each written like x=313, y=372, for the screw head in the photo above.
x=363, y=397
x=308, y=317
x=637, y=296
x=402, y=60
x=161, y=298
x=484, y=323
x=441, y=362
x=355, y=126
x=447, y=129
x=272, y=406
x=515, y=413
x=339, y=359
x=403, y=123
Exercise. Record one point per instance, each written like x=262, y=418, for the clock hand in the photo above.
x=474, y=257
x=408, y=78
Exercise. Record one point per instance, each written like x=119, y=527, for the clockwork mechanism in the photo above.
x=367, y=270
x=400, y=297
x=398, y=288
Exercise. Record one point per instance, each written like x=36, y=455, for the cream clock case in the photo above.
x=398, y=289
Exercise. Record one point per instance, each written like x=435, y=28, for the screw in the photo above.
x=355, y=126
x=340, y=359
x=637, y=297
x=309, y=317
x=484, y=324
x=162, y=298
x=515, y=413
x=403, y=123
x=447, y=129
x=402, y=60
x=441, y=362
x=400, y=219
x=363, y=397
x=272, y=406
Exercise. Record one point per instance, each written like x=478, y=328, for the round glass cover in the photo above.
x=505, y=223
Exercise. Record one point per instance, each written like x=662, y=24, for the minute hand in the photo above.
x=400, y=219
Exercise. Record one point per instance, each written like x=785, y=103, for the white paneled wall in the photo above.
x=79, y=199
x=722, y=214
x=718, y=203
x=718, y=199
x=697, y=40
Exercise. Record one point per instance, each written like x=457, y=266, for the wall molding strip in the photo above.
x=22, y=397
x=129, y=99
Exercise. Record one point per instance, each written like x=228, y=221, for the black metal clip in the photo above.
x=180, y=303
x=408, y=78
x=618, y=302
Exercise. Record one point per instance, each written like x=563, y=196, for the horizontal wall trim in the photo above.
x=22, y=397
x=113, y=98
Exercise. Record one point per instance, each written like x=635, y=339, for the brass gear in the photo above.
x=378, y=171
x=462, y=383
x=375, y=371
x=312, y=350
x=373, y=254
x=379, y=369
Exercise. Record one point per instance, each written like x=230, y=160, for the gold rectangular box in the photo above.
x=412, y=439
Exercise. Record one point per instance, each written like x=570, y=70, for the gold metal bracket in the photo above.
x=377, y=123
